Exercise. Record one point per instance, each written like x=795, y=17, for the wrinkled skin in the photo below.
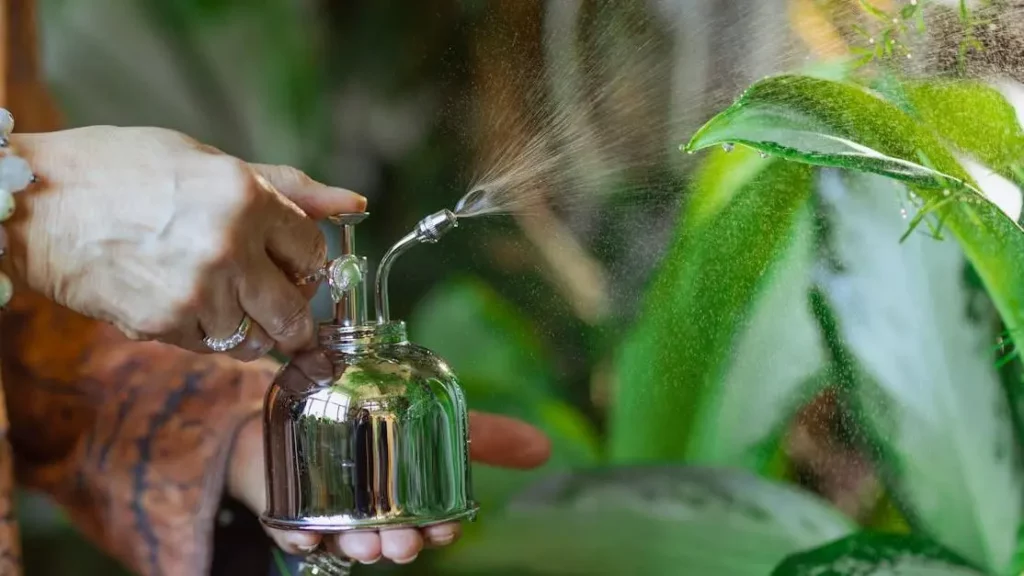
x=169, y=239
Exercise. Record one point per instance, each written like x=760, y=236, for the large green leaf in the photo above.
x=983, y=130
x=929, y=390
x=652, y=521
x=742, y=248
x=828, y=123
x=974, y=118
x=980, y=124
x=773, y=368
x=868, y=554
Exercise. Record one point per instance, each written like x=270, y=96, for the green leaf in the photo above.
x=874, y=11
x=827, y=123
x=765, y=381
x=649, y=520
x=974, y=118
x=983, y=130
x=928, y=389
x=868, y=554
x=743, y=242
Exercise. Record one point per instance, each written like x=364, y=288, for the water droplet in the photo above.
x=903, y=213
x=945, y=192
x=762, y=153
x=728, y=146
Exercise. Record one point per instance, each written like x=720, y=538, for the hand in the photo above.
x=169, y=239
x=497, y=441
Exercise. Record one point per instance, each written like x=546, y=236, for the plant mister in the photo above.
x=367, y=431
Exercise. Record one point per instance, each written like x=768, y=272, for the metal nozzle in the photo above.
x=428, y=230
x=431, y=228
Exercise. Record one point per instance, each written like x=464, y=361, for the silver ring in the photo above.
x=313, y=278
x=225, y=344
x=323, y=563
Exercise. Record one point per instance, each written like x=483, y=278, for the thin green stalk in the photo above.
x=282, y=567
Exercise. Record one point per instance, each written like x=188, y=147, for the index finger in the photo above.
x=293, y=239
x=506, y=442
x=315, y=199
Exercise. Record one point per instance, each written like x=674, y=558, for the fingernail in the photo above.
x=374, y=561
x=409, y=560
x=361, y=201
x=443, y=541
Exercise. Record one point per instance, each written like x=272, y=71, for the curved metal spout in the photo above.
x=428, y=230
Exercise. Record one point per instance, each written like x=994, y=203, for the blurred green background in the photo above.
x=730, y=357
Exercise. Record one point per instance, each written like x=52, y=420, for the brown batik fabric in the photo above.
x=10, y=560
x=131, y=439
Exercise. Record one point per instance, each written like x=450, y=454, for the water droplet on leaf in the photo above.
x=728, y=147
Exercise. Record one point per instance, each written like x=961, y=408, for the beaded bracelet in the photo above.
x=15, y=176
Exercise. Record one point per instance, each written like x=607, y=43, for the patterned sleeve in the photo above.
x=132, y=439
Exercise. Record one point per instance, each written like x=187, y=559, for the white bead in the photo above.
x=15, y=173
x=6, y=289
x=6, y=122
x=6, y=205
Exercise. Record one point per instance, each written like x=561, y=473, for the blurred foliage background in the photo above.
x=395, y=100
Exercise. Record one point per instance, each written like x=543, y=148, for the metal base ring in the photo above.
x=327, y=526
